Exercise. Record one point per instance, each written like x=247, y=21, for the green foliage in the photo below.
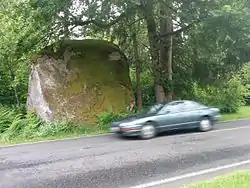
x=228, y=97
x=245, y=77
x=148, y=95
x=55, y=128
x=16, y=124
x=104, y=119
x=7, y=115
x=26, y=26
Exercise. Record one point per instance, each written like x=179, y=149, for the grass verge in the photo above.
x=244, y=112
x=15, y=128
x=237, y=180
x=58, y=136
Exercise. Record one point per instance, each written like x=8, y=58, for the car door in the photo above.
x=182, y=117
x=172, y=116
x=190, y=114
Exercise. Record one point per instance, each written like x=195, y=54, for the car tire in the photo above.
x=148, y=131
x=205, y=124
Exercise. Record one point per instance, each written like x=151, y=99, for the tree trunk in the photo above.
x=166, y=26
x=138, y=71
x=66, y=31
x=147, y=6
x=169, y=63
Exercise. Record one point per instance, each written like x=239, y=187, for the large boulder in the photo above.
x=77, y=80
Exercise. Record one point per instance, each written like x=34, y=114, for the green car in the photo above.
x=174, y=115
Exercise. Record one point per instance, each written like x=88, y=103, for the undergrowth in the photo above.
x=18, y=125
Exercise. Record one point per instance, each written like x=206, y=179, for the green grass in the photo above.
x=237, y=180
x=60, y=135
x=244, y=112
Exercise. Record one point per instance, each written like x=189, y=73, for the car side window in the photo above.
x=190, y=105
x=165, y=109
x=172, y=108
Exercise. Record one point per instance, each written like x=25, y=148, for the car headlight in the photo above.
x=123, y=125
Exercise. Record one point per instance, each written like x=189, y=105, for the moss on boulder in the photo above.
x=76, y=80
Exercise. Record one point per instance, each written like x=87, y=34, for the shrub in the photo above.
x=7, y=116
x=55, y=128
x=16, y=123
x=109, y=116
x=228, y=97
x=31, y=124
x=245, y=76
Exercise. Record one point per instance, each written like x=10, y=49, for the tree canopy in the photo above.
x=173, y=46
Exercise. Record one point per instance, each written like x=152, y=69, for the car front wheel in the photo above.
x=148, y=131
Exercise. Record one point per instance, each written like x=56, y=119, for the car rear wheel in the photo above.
x=148, y=131
x=205, y=125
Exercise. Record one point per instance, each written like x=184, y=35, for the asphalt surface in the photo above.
x=112, y=162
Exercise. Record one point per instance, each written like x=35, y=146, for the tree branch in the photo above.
x=135, y=21
x=128, y=12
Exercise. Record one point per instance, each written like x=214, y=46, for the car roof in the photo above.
x=175, y=101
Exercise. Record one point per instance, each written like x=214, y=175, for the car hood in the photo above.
x=130, y=119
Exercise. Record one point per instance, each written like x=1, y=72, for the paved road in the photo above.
x=112, y=162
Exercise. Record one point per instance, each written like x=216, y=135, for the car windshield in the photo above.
x=155, y=108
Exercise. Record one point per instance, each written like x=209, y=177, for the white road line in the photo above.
x=190, y=175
